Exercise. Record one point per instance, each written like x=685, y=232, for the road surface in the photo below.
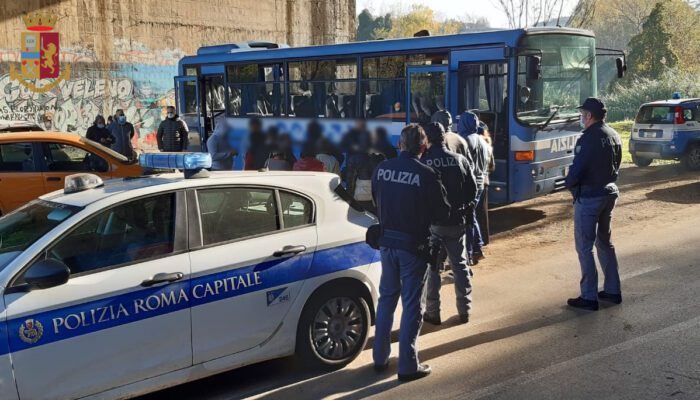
x=523, y=342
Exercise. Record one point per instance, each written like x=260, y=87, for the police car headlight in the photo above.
x=79, y=182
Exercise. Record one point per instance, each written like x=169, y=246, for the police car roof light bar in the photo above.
x=80, y=182
x=194, y=164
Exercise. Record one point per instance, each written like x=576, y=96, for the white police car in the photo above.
x=117, y=289
x=667, y=130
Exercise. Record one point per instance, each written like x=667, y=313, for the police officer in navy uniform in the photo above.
x=591, y=179
x=460, y=185
x=409, y=198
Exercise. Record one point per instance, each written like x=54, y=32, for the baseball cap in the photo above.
x=594, y=105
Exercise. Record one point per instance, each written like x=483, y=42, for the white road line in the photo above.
x=576, y=362
x=640, y=271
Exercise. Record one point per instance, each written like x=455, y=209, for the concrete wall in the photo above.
x=124, y=53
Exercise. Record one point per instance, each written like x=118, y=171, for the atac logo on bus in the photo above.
x=31, y=331
x=40, y=55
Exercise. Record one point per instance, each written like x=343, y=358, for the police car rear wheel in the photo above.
x=333, y=329
x=642, y=162
x=691, y=160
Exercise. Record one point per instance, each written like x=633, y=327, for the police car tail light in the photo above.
x=194, y=164
x=678, y=117
x=79, y=182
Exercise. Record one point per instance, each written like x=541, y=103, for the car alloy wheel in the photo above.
x=338, y=328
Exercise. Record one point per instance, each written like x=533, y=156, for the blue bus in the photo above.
x=525, y=84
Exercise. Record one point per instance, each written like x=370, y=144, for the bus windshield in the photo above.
x=568, y=76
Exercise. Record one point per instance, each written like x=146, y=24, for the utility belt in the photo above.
x=587, y=191
x=378, y=237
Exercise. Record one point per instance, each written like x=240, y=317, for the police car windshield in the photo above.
x=568, y=77
x=21, y=228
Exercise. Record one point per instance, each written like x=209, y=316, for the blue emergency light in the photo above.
x=194, y=164
x=676, y=95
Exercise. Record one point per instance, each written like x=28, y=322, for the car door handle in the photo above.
x=163, y=277
x=289, y=251
x=53, y=179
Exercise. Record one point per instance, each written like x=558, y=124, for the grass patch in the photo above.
x=624, y=129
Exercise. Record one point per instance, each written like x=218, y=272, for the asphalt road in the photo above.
x=523, y=342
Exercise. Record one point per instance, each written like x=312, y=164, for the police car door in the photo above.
x=122, y=317
x=255, y=249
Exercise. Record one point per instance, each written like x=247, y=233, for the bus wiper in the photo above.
x=551, y=117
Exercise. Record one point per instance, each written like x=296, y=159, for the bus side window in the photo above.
x=256, y=90
x=323, y=89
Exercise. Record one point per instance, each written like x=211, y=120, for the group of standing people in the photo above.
x=430, y=194
x=118, y=134
x=427, y=200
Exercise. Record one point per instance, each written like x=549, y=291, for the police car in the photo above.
x=667, y=130
x=118, y=288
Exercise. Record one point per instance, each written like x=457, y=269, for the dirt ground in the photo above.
x=646, y=194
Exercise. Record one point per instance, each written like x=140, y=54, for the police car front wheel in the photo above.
x=333, y=329
x=691, y=160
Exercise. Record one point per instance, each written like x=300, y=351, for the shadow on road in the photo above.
x=506, y=219
x=684, y=194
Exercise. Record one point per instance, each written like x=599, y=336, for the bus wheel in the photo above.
x=333, y=329
x=641, y=161
x=691, y=159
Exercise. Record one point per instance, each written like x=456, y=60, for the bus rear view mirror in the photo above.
x=621, y=66
x=533, y=68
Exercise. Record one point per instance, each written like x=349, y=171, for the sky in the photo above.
x=449, y=8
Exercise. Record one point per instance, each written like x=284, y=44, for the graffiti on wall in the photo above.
x=139, y=81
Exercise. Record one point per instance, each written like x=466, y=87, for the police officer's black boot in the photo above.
x=613, y=298
x=580, y=302
x=433, y=319
x=423, y=371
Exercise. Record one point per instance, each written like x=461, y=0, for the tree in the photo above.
x=419, y=17
x=651, y=52
x=367, y=25
x=524, y=13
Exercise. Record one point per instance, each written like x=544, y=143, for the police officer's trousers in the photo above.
x=473, y=230
x=454, y=240
x=403, y=274
x=592, y=218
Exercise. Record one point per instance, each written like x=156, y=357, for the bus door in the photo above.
x=187, y=103
x=482, y=87
x=212, y=105
x=426, y=92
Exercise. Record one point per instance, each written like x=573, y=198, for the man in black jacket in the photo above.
x=591, y=179
x=460, y=184
x=409, y=198
x=172, y=133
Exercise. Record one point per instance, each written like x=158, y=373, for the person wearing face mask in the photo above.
x=591, y=179
x=172, y=133
x=409, y=197
x=99, y=133
x=123, y=133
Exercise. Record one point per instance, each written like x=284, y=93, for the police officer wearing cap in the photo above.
x=460, y=184
x=409, y=198
x=591, y=179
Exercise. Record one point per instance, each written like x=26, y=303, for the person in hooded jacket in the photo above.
x=460, y=185
x=172, y=133
x=468, y=128
x=123, y=132
x=99, y=133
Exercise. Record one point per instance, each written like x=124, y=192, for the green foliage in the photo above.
x=368, y=25
x=650, y=51
x=624, y=129
x=625, y=97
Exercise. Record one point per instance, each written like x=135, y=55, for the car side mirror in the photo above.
x=621, y=66
x=533, y=68
x=45, y=274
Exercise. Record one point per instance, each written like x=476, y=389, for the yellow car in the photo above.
x=35, y=163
